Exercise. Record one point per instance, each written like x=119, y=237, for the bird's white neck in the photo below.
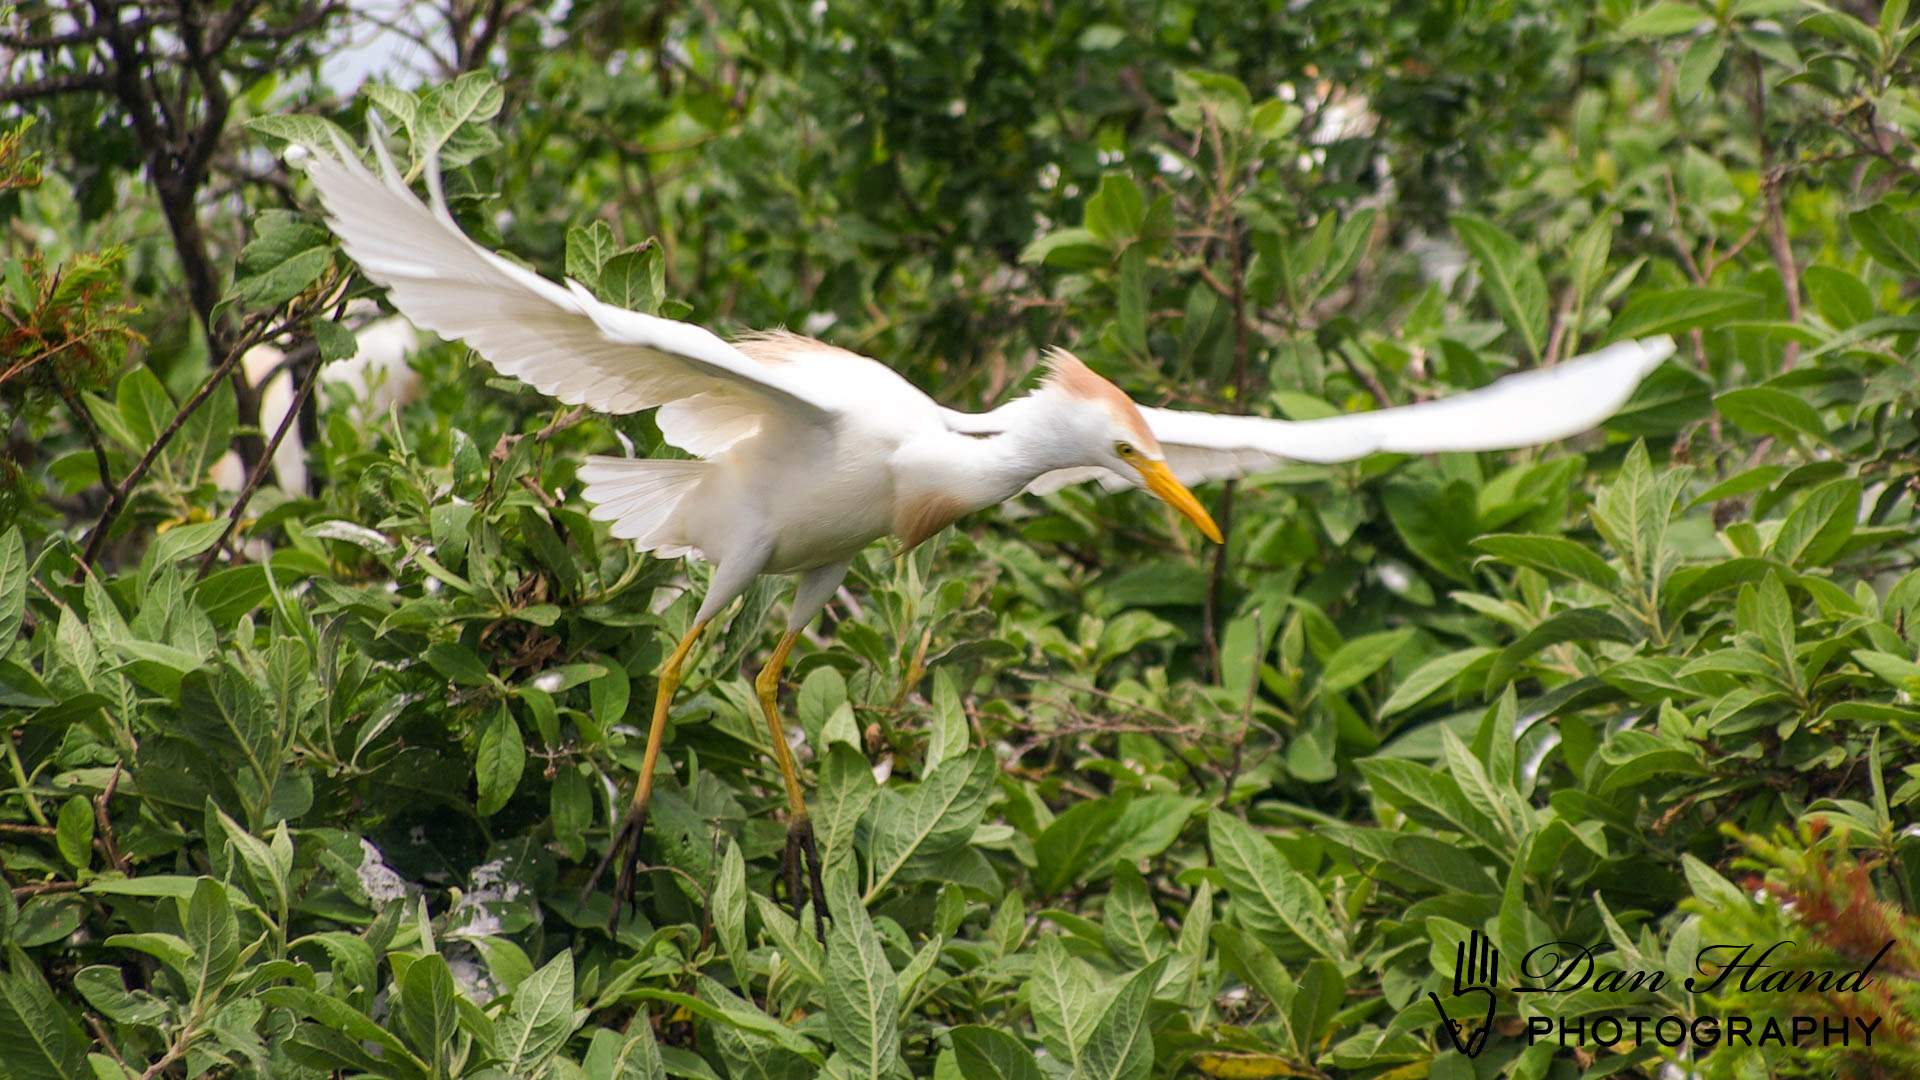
x=980, y=471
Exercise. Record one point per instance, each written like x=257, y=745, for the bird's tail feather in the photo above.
x=641, y=496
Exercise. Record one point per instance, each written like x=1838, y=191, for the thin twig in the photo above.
x=100, y=1036
x=103, y=822
x=1781, y=247
x=307, y=382
x=85, y=419
x=117, y=496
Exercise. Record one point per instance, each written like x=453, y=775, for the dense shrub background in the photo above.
x=319, y=799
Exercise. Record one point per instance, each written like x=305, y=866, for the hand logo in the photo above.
x=1476, y=971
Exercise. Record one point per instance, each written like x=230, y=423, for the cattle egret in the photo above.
x=806, y=453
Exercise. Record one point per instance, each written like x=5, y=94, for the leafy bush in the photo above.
x=309, y=784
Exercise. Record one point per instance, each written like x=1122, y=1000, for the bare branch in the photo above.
x=53, y=85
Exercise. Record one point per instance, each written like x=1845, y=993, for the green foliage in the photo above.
x=1090, y=804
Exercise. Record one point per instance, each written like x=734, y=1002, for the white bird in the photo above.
x=376, y=375
x=808, y=453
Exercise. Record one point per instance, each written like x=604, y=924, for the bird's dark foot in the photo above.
x=626, y=848
x=803, y=857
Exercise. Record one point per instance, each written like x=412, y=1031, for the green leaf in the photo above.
x=1254, y=964
x=1349, y=243
x=1430, y=676
x=541, y=1017
x=588, y=249
x=1589, y=256
x=1665, y=19
x=1120, y=1046
x=635, y=280
x=13, y=587
x=313, y=132
x=862, y=994
x=334, y=341
x=728, y=911
x=337, y=1015
x=39, y=1038
x=1066, y=249
x=401, y=106
x=1130, y=924
x=948, y=736
x=1116, y=211
x=183, y=543
x=984, y=1053
x=1889, y=236
x=268, y=870
x=609, y=695
x=74, y=831
x=1353, y=662
x=104, y=989
x=1321, y=993
x=1551, y=555
x=1512, y=279
x=1819, y=527
x=1763, y=410
x=473, y=98
x=1064, y=1001
x=1697, y=66
x=1065, y=847
x=1429, y=797
x=498, y=761
x=1838, y=296
x=213, y=935
x=717, y=1005
x=457, y=662
x=1896, y=671
x=939, y=814
x=1495, y=800
x=1585, y=625
x=278, y=266
x=635, y=1058
x=427, y=1014
x=846, y=791
x=1269, y=897
x=1670, y=311
x=1843, y=28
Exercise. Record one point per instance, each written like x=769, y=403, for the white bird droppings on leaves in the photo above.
x=473, y=980
x=377, y=879
x=548, y=682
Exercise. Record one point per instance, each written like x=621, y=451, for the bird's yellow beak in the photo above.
x=1159, y=480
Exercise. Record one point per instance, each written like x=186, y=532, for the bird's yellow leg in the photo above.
x=628, y=838
x=767, y=684
x=801, y=855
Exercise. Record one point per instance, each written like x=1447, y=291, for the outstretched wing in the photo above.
x=559, y=339
x=1526, y=409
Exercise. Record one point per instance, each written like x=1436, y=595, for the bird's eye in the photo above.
x=1124, y=449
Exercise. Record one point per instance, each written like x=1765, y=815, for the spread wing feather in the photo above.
x=1526, y=409
x=559, y=339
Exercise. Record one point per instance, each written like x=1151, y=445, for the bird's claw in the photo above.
x=803, y=856
x=626, y=843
